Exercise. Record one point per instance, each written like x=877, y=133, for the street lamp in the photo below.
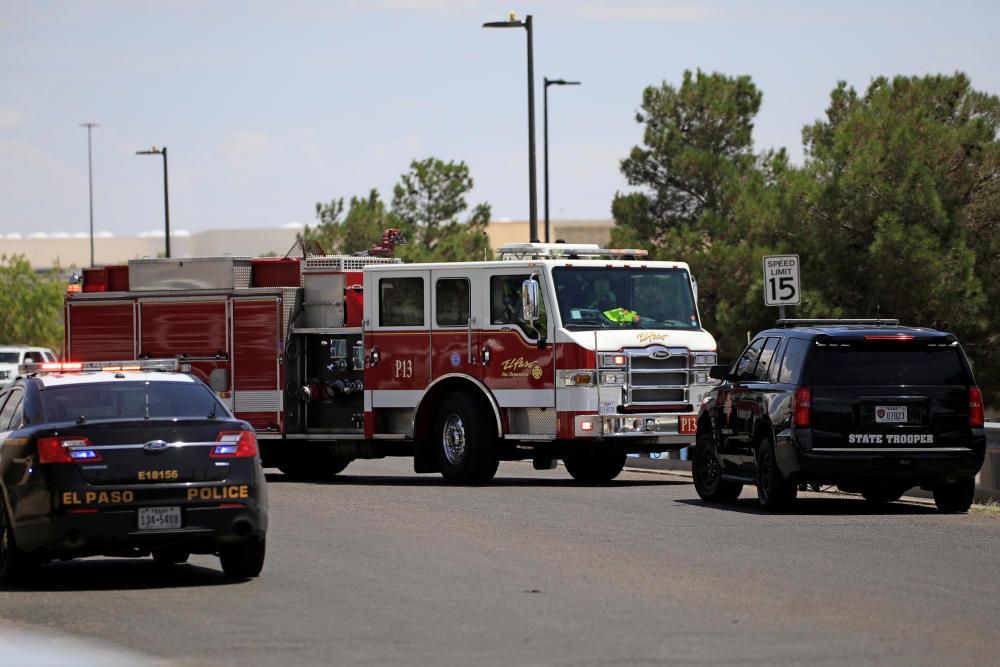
x=166, y=198
x=545, y=124
x=512, y=22
x=90, y=175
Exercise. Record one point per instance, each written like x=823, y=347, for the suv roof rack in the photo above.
x=786, y=323
x=515, y=251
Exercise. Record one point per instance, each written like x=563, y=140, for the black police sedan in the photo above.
x=870, y=406
x=126, y=459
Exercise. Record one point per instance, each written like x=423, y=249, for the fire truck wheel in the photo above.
x=466, y=445
x=312, y=464
x=598, y=465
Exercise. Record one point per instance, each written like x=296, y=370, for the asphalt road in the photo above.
x=386, y=567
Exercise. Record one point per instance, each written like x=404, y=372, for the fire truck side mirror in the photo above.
x=529, y=300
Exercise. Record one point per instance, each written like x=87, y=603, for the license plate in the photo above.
x=890, y=414
x=687, y=424
x=159, y=518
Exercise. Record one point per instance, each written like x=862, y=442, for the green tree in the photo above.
x=427, y=202
x=31, y=304
x=705, y=197
x=904, y=211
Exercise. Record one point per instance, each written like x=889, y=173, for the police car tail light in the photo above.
x=68, y=449
x=976, y=417
x=233, y=444
x=803, y=406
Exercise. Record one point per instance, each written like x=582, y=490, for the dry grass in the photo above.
x=990, y=507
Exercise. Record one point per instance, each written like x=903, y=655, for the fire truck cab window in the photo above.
x=453, y=302
x=401, y=302
x=505, y=304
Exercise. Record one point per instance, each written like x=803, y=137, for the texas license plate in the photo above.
x=159, y=518
x=890, y=414
x=687, y=424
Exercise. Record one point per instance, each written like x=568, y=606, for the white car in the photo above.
x=11, y=356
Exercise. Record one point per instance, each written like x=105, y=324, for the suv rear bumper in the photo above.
x=918, y=465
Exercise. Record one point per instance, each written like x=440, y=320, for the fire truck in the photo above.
x=551, y=352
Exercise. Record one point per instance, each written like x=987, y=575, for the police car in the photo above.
x=871, y=406
x=125, y=459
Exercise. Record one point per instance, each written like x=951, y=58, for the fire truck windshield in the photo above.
x=597, y=297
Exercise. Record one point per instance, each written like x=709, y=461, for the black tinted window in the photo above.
x=747, y=362
x=888, y=364
x=128, y=400
x=452, y=298
x=791, y=362
x=764, y=363
x=401, y=302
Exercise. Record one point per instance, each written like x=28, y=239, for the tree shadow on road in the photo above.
x=819, y=506
x=117, y=574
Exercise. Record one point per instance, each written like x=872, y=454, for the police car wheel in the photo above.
x=245, y=560
x=14, y=563
x=774, y=492
x=599, y=465
x=957, y=496
x=464, y=441
x=707, y=471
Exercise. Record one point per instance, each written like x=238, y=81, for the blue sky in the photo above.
x=269, y=107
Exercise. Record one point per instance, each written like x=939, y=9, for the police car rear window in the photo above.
x=887, y=364
x=127, y=400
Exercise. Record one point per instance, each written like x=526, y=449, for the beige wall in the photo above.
x=75, y=252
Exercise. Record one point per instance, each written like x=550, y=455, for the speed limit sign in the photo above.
x=781, y=280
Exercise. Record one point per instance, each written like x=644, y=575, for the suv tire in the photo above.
x=707, y=475
x=957, y=496
x=774, y=492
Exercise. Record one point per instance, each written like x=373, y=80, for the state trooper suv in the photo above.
x=868, y=405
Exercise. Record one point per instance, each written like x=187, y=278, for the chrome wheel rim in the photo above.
x=453, y=439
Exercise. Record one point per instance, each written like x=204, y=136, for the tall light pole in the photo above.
x=512, y=22
x=90, y=175
x=545, y=124
x=166, y=192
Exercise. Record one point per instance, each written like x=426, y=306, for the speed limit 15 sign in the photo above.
x=781, y=280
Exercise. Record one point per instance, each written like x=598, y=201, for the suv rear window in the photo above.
x=128, y=400
x=888, y=364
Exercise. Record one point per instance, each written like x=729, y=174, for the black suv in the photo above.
x=868, y=405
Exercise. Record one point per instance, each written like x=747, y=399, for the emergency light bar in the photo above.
x=106, y=366
x=515, y=251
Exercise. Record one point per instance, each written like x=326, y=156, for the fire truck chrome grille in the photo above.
x=657, y=375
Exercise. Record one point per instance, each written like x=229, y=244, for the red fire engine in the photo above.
x=554, y=351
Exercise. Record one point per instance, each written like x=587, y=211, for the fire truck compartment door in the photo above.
x=517, y=369
x=456, y=318
x=397, y=337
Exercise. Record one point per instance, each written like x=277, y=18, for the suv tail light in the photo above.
x=235, y=444
x=803, y=406
x=67, y=449
x=976, y=417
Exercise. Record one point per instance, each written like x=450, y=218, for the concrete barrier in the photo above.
x=988, y=481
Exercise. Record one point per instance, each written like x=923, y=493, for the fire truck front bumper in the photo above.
x=671, y=430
